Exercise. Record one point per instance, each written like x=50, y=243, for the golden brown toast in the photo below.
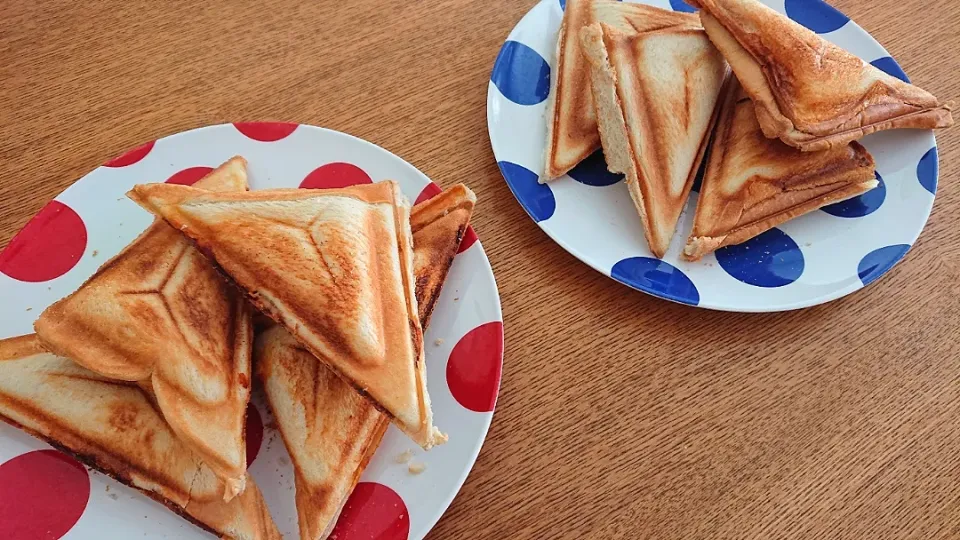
x=335, y=267
x=657, y=97
x=753, y=183
x=330, y=431
x=113, y=427
x=808, y=92
x=438, y=225
x=159, y=311
x=571, y=120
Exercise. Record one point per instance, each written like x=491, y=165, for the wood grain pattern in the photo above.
x=620, y=416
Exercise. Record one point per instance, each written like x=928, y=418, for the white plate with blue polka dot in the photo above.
x=810, y=260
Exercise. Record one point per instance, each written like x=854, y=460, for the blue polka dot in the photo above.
x=860, y=205
x=656, y=277
x=927, y=170
x=771, y=259
x=890, y=67
x=536, y=198
x=521, y=75
x=593, y=171
x=816, y=15
x=877, y=262
x=680, y=5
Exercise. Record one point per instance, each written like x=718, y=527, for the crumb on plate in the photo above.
x=438, y=342
x=95, y=252
x=404, y=456
x=416, y=467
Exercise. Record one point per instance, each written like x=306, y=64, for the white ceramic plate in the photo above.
x=44, y=494
x=807, y=261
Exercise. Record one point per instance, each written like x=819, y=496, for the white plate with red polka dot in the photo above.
x=44, y=494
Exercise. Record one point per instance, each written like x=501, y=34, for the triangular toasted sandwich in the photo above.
x=571, y=121
x=656, y=94
x=113, y=427
x=334, y=266
x=808, y=92
x=753, y=183
x=159, y=311
x=438, y=225
x=330, y=431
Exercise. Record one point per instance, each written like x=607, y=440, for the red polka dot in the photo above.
x=429, y=191
x=47, y=247
x=473, y=370
x=335, y=175
x=131, y=156
x=42, y=495
x=373, y=511
x=265, y=131
x=189, y=177
x=469, y=238
x=254, y=433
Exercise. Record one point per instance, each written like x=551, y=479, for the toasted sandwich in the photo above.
x=656, y=94
x=160, y=312
x=753, y=183
x=438, y=226
x=113, y=427
x=571, y=120
x=335, y=267
x=808, y=92
x=330, y=431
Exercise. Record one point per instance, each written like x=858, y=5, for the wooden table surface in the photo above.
x=620, y=415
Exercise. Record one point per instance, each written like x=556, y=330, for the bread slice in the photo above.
x=438, y=225
x=113, y=427
x=330, y=431
x=571, y=120
x=657, y=96
x=753, y=183
x=159, y=311
x=808, y=92
x=335, y=267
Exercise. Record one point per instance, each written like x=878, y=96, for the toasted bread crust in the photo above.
x=810, y=93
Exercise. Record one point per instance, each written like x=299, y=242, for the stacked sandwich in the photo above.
x=654, y=88
x=145, y=371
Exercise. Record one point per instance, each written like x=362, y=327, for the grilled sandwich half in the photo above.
x=753, y=183
x=808, y=92
x=656, y=94
x=114, y=427
x=330, y=431
x=571, y=119
x=335, y=267
x=159, y=313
